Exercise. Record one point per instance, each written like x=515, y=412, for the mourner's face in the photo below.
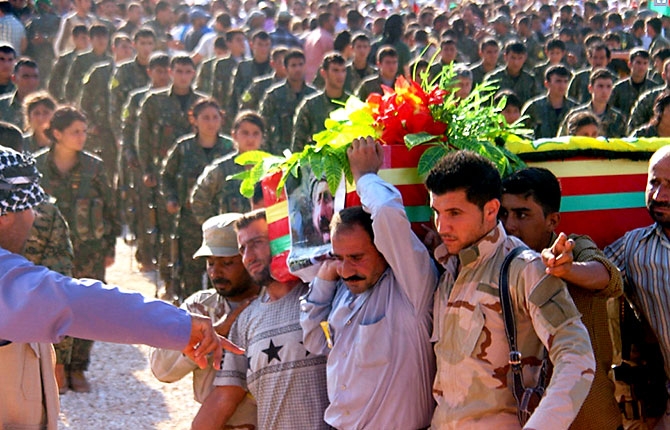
x=524, y=218
x=459, y=222
x=39, y=117
x=658, y=192
x=295, y=70
x=228, y=275
x=360, y=265
x=248, y=136
x=72, y=137
x=254, y=245
x=208, y=121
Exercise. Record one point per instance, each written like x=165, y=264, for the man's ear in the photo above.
x=553, y=220
x=491, y=209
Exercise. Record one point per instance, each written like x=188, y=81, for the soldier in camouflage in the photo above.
x=184, y=164
x=39, y=107
x=27, y=79
x=281, y=100
x=313, y=111
x=133, y=194
x=512, y=76
x=58, y=77
x=251, y=98
x=643, y=110
x=627, y=91
x=473, y=386
x=77, y=180
x=213, y=194
x=203, y=81
x=598, y=56
x=164, y=116
x=222, y=75
x=387, y=64
x=83, y=62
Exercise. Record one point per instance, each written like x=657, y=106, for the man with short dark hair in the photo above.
x=83, y=62
x=472, y=385
x=375, y=295
x=554, y=51
x=488, y=52
x=387, y=64
x=58, y=77
x=643, y=109
x=545, y=113
x=448, y=54
x=598, y=56
x=251, y=98
x=654, y=27
x=224, y=68
x=627, y=91
x=612, y=121
x=26, y=77
x=281, y=100
x=530, y=211
x=7, y=62
x=313, y=111
x=512, y=75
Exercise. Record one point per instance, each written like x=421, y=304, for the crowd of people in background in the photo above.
x=135, y=110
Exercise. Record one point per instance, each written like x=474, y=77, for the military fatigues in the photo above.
x=78, y=70
x=11, y=110
x=213, y=194
x=251, y=99
x=94, y=102
x=353, y=79
x=84, y=197
x=478, y=73
x=30, y=144
x=133, y=194
x=7, y=88
x=278, y=109
x=371, y=84
x=49, y=245
x=59, y=75
x=473, y=386
x=128, y=76
x=538, y=74
x=543, y=119
x=600, y=409
x=311, y=116
x=183, y=166
x=41, y=32
x=579, y=86
x=625, y=94
x=643, y=110
x=244, y=75
x=203, y=82
x=522, y=85
x=645, y=131
x=162, y=120
x=612, y=122
x=222, y=79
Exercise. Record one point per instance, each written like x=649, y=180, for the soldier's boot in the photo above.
x=78, y=382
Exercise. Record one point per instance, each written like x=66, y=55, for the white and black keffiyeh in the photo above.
x=19, y=182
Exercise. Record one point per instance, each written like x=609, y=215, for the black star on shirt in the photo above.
x=272, y=352
x=303, y=345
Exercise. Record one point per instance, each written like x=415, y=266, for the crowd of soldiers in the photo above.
x=135, y=111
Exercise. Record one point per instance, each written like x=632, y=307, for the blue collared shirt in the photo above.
x=381, y=367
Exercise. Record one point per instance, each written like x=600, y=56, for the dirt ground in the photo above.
x=125, y=394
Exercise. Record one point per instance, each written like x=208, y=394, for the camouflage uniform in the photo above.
x=478, y=73
x=94, y=102
x=645, y=131
x=84, y=197
x=612, y=122
x=351, y=82
x=128, y=76
x=371, y=84
x=278, y=109
x=222, y=78
x=243, y=76
x=538, y=74
x=41, y=32
x=643, y=109
x=49, y=245
x=473, y=385
x=132, y=193
x=78, y=70
x=203, y=82
x=161, y=121
x=310, y=117
x=523, y=85
x=600, y=409
x=543, y=118
x=59, y=75
x=11, y=110
x=184, y=164
x=624, y=94
x=579, y=86
x=63, y=41
x=213, y=194
x=252, y=97
x=30, y=144
x=7, y=88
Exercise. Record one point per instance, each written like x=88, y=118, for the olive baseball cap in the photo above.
x=219, y=238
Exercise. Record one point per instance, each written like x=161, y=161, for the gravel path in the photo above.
x=125, y=394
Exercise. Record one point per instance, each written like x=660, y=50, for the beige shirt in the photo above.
x=473, y=383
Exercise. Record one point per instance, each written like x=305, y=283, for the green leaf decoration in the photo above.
x=412, y=140
x=333, y=170
x=429, y=158
x=252, y=157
